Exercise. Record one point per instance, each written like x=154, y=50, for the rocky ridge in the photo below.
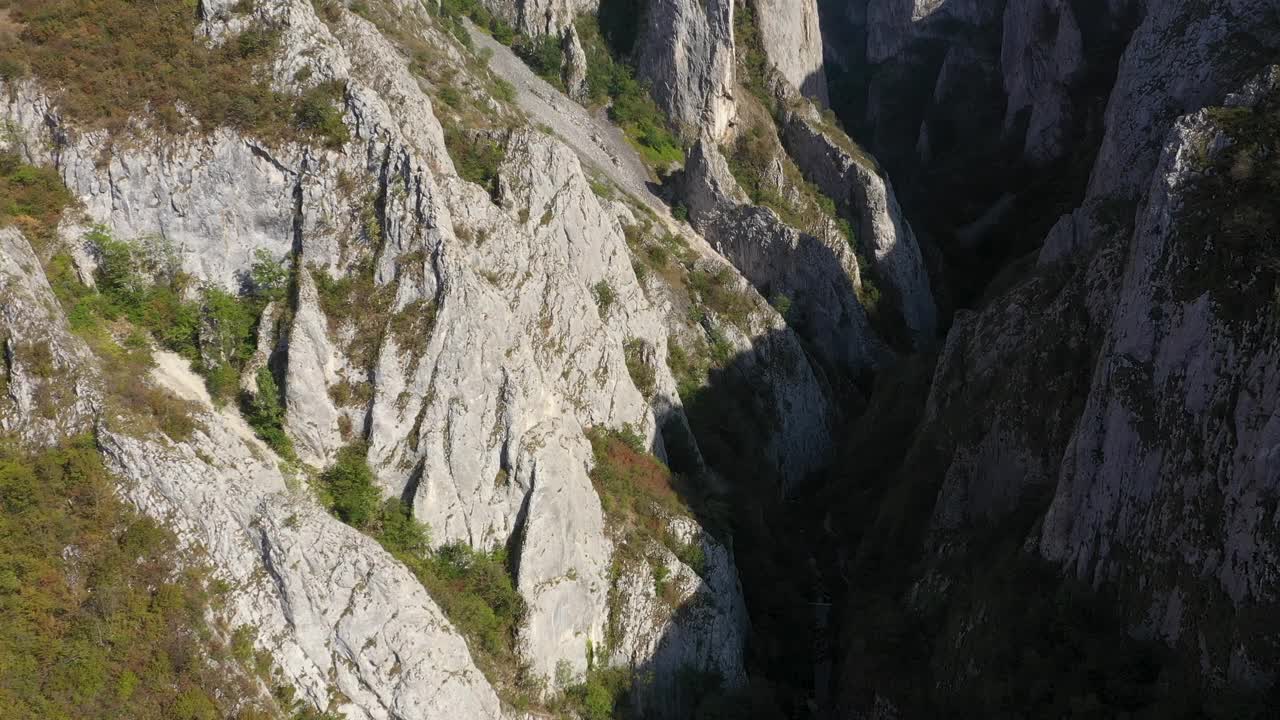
x=523, y=300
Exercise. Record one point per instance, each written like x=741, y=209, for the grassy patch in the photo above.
x=100, y=615
x=357, y=302
x=112, y=63
x=611, y=81
x=476, y=156
x=753, y=62
x=718, y=290
x=31, y=198
x=641, y=495
x=642, y=374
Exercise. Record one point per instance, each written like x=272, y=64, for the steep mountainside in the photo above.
x=525, y=359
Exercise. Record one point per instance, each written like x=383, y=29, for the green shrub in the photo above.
x=265, y=414
x=604, y=692
x=605, y=297
x=399, y=533
x=476, y=156
x=543, y=55
x=717, y=290
x=31, y=197
x=350, y=489
x=642, y=374
x=269, y=277
x=227, y=340
x=318, y=114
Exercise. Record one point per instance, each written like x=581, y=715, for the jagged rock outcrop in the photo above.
x=941, y=73
x=706, y=634
x=862, y=192
x=1081, y=284
x=1039, y=72
x=1174, y=65
x=575, y=64
x=818, y=276
x=540, y=17
x=685, y=49
x=1176, y=457
x=48, y=391
x=892, y=25
x=484, y=338
x=311, y=414
x=335, y=611
x=792, y=40
x=1115, y=404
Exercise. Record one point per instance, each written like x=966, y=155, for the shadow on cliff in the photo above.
x=956, y=160
x=731, y=483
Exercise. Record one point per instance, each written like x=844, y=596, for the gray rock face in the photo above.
x=1035, y=59
x=1173, y=66
x=1182, y=414
x=1094, y=242
x=575, y=64
x=313, y=368
x=685, y=49
x=518, y=313
x=863, y=193
x=792, y=41
x=540, y=17
x=818, y=276
x=1038, y=74
x=1127, y=391
x=892, y=25
x=689, y=625
x=336, y=612
x=47, y=391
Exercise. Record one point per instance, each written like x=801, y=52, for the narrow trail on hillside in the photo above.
x=598, y=143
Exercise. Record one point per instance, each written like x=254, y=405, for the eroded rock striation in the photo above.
x=685, y=49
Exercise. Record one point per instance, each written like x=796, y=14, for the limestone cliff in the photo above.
x=494, y=332
x=685, y=49
x=1092, y=410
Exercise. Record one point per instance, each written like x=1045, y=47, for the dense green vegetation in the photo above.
x=116, y=62
x=753, y=63
x=611, y=80
x=543, y=55
x=100, y=615
x=32, y=198
x=452, y=12
x=476, y=156
x=140, y=291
